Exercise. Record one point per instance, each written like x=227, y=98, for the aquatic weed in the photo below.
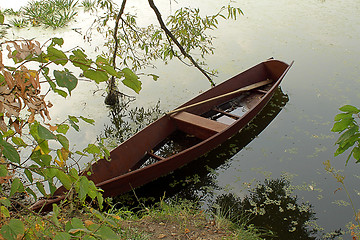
x=88, y=5
x=49, y=13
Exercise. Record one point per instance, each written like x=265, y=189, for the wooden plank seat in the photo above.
x=226, y=113
x=196, y=125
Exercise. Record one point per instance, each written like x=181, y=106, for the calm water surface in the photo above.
x=323, y=38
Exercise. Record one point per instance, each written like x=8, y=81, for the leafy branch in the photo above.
x=347, y=123
x=172, y=37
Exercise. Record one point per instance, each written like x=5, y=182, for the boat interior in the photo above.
x=191, y=128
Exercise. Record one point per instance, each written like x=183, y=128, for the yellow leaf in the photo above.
x=60, y=162
x=38, y=148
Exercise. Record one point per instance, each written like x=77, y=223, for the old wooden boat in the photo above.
x=186, y=133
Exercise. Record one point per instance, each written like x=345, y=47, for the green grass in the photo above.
x=184, y=219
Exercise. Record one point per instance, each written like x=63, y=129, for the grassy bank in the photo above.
x=183, y=220
x=174, y=220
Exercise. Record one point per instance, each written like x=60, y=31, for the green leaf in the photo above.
x=50, y=173
x=44, y=146
x=93, y=191
x=349, y=109
x=14, y=230
x=74, y=125
x=18, y=141
x=41, y=188
x=2, y=79
x=356, y=153
x=100, y=200
x=98, y=75
x=57, y=41
x=57, y=56
x=15, y=185
x=28, y=174
x=34, y=131
x=5, y=201
x=107, y=233
x=64, y=179
x=62, y=236
x=81, y=153
x=3, y=171
x=77, y=223
x=44, y=133
x=68, y=226
x=54, y=217
x=2, y=18
x=9, y=133
x=61, y=92
x=30, y=191
x=342, y=149
x=88, y=120
x=79, y=59
x=74, y=173
x=92, y=149
x=73, y=118
x=66, y=79
x=110, y=70
x=342, y=125
x=62, y=128
x=46, y=159
x=347, y=134
x=52, y=186
x=104, y=65
x=9, y=152
x=83, y=187
x=342, y=116
x=131, y=80
x=63, y=141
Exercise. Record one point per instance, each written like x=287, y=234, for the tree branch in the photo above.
x=168, y=33
x=116, y=31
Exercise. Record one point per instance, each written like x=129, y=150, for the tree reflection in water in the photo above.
x=126, y=122
x=272, y=206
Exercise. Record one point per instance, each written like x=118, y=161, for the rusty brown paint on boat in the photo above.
x=124, y=173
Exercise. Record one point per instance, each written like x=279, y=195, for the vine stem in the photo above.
x=352, y=205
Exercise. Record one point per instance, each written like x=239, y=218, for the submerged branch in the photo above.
x=168, y=33
x=112, y=97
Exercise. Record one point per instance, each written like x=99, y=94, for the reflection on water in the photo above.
x=125, y=122
x=272, y=206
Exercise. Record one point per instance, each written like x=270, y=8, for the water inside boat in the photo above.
x=225, y=113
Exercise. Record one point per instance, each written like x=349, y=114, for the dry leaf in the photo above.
x=161, y=236
x=52, y=128
x=88, y=223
